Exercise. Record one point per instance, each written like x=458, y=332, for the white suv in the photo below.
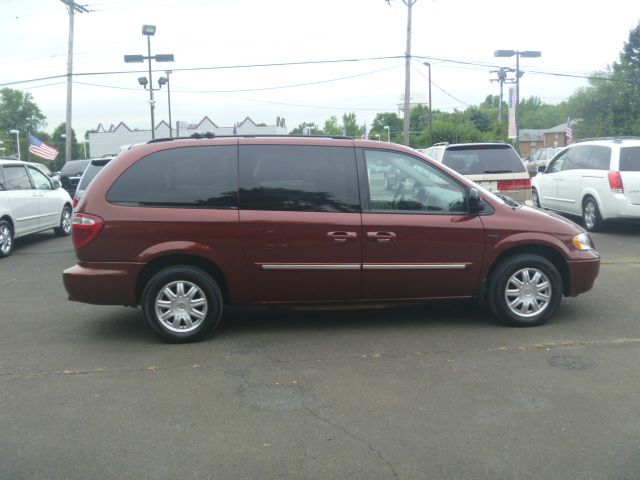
x=30, y=202
x=596, y=179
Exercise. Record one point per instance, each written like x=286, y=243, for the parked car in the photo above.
x=94, y=167
x=494, y=166
x=30, y=202
x=598, y=180
x=541, y=158
x=185, y=226
x=71, y=173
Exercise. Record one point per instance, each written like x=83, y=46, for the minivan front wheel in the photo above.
x=525, y=290
x=591, y=215
x=182, y=303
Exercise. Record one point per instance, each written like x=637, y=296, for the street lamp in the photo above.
x=161, y=82
x=149, y=31
x=430, y=109
x=518, y=54
x=84, y=144
x=388, y=129
x=17, y=134
x=377, y=136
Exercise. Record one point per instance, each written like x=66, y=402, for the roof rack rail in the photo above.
x=617, y=138
x=209, y=135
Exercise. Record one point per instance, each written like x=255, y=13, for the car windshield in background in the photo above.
x=479, y=159
x=630, y=159
x=91, y=171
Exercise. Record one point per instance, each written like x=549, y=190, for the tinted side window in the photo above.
x=3, y=184
x=410, y=185
x=630, y=159
x=599, y=158
x=577, y=158
x=40, y=180
x=204, y=177
x=17, y=178
x=298, y=178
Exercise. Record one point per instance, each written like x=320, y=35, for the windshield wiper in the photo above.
x=508, y=200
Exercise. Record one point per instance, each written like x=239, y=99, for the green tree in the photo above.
x=331, y=126
x=59, y=142
x=19, y=112
x=350, y=125
x=390, y=120
x=305, y=127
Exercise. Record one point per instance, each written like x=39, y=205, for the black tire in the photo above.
x=6, y=239
x=541, y=294
x=535, y=199
x=64, y=229
x=591, y=215
x=179, y=326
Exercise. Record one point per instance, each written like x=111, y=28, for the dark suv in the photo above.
x=71, y=173
x=185, y=226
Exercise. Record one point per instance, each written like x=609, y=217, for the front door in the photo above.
x=300, y=222
x=49, y=205
x=23, y=199
x=419, y=241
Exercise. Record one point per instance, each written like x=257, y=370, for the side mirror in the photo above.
x=476, y=205
x=56, y=183
x=542, y=169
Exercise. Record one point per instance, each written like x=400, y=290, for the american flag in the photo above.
x=569, y=132
x=365, y=133
x=41, y=149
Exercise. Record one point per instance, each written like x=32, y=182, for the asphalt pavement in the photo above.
x=433, y=391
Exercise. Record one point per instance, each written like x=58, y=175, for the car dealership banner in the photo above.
x=512, y=113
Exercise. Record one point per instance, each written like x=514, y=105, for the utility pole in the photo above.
x=72, y=7
x=502, y=79
x=407, y=74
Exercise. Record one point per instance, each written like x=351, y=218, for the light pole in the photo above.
x=84, y=144
x=430, y=109
x=518, y=54
x=149, y=31
x=161, y=82
x=377, y=136
x=388, y=129
x=17, y=134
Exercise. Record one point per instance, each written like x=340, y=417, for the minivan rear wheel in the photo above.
x=182, y=303
x=64, y=228
x=6, y=239
x=535, y=199
x=525, y=290
x=591, y=215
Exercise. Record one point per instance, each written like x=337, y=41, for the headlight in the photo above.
x=581, y=242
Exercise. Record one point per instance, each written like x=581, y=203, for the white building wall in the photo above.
x=110, y=143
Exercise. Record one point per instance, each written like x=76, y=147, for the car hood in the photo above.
x=553, y=223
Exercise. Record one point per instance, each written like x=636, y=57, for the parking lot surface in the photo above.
x=435, y=390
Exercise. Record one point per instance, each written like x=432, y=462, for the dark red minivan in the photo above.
x=185, y=226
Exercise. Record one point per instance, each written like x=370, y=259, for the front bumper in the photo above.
x=582, y=275
x=102, y=283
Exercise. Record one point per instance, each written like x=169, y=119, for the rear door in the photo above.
x=300, y=221
x=630, y=172
x=418, y=240
x=49, y=204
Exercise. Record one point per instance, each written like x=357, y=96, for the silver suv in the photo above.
x=597, y=179
x=494, y=166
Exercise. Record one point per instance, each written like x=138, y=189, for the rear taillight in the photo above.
x=522, y=184
x=615, y=182
x=84, y=229
x=75, y=202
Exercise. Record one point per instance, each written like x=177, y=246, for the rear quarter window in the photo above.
x=483, y=159
x=630, y=159
x=189, y=177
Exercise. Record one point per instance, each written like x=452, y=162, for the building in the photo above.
x=533, y=139
x=111, y=141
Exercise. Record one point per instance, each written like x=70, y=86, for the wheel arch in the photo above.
x=554, y=256
x=159, y=263
x=590, y=193
x=11, y=224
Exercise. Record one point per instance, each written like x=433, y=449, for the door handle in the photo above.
x=342, y=237
x=381, y=237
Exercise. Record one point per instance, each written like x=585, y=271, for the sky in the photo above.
x=218, y=45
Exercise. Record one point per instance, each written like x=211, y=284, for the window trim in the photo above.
x=32, y=185
x=33, y=181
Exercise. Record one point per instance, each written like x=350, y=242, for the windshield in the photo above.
x=479, y=159
x=90, y=173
